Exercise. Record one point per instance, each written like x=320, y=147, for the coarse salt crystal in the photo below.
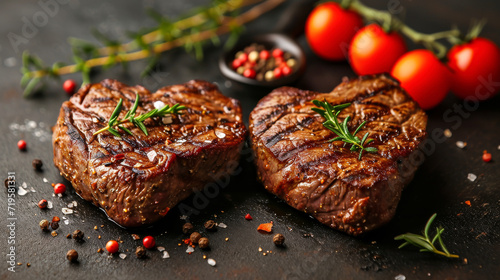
x=183, y=217
x=45, y=180
x=400, y=277
x=159, y=104
x=222, y=225
x=24, y=185
x=447, y=133
x=190, y=249
x=32, y=124
x=66, y=211
x=70, y=205
x=211, y=262
x=220, y=134
x=32, y=189
x=49, y=204
x=151, y=155
x=122, y=256
x=21, y=191
x=59, y=195
x=66, y=222
x=165, y=255
x=74, y=203
x=472, y=177
x=161, y=249
x=461, y=144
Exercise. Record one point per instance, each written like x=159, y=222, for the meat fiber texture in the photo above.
x=138, y=179
x=296, y=162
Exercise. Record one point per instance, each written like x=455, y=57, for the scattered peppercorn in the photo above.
x=140, y=252
x=69, y=86
x=195, y=237
x=100, y=250
x=112, y=246
x=486, y=156
x=187, y=228
x=37, y=164
x=42, y=204
x=68, y=236
x=59, y=188
x=21, y=144
x=72, y=255
x=78, y=235
x=53, y=233
x=44, y=224
x=203, y=243
x=279, y=239
x=54, y=225
x=135, y=236
x=210, y=225
x=149, y=242
x=28, y=264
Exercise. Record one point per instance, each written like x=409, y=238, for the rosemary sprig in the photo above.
x=330, y=113
x=138, y=121
x=207, y=24
x=424, y=242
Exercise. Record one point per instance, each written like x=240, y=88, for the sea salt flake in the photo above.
x=122, y=256
x=31, y=124
x=211, y=262
x=59, y=195
x=32, y=189
x=74, y=203
x=21, y=191
x=447, y=133
x=165, y=255
x=222, y=225
x=183, y=217
x=472, y=177
x=151, y=155
x=461, y=144
x=24, y=185
x=66, y=222
x=161, y=249
x=159, y=104
x=400, y=277
x=49, y=204
x=66, y=211
x=70, y=205
x=45, y=180
x=220, y=134
x=189, y=249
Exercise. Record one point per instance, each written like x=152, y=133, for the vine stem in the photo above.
x=388, y=20
x=229, y=23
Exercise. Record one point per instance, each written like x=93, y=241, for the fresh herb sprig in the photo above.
x=138, y=121
x=330, y=113
x=424, y=242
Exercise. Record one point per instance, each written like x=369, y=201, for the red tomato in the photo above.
x=149, y=242
x=423, y=76
x=374, y=51
x=329, y=30
x=112, y=246
x=475, y=69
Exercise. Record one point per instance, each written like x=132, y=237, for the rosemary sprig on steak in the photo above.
x=330, y=113
x=137, y=121
x=424, y=242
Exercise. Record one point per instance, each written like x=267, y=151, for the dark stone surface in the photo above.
x=440, y=184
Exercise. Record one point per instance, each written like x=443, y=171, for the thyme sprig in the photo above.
x=425, y=242
x=191, y=32
x=138, y=121
x=330, y=113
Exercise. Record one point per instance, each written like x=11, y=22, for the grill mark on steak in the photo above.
x=295, y=161
x=157, y=171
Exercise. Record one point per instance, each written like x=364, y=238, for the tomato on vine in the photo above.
x=329, y=30
x=375, y=51
x=423, y=76
x=475, y=68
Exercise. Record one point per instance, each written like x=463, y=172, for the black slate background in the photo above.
x=440, y=185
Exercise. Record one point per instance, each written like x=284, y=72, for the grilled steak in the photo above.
x=137, y=179
x=296, y=162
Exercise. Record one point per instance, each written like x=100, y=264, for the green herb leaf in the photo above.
x=330, y=114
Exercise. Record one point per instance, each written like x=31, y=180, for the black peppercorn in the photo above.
x=37, y=164
x=78, y=235
x=187, y=228
x=140, y=252
x=195, y=237
x=279, y=239
x=72, y=255
x=203, y=243
x=44, y=225
x=54, y=225
x=210, y=225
